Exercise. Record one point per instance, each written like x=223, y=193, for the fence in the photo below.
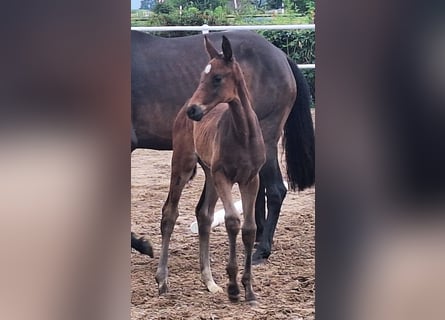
x=206, y=29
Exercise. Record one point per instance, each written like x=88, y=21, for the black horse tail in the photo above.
x=299, y=136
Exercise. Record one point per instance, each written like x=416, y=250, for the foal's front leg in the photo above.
x=204, y=216
x=232, y=220
x=183, y=165
x=248, y=196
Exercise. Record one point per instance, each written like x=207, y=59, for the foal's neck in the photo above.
x=243, y=115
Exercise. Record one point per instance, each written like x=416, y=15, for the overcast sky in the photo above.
x=135, y=4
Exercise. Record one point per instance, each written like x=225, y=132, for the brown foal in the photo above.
x=225, y=138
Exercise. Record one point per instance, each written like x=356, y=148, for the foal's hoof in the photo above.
x=163, y=288
x=214, y=288
x=253, y=303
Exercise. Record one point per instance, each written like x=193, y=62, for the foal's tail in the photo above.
x=299, y=137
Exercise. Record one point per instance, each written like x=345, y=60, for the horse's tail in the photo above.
x=299, y=137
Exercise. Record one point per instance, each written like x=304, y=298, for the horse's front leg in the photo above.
x=183, y=165
x=248, y=195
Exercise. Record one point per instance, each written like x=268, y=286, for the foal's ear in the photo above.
x=213, y=53
x=227, y=49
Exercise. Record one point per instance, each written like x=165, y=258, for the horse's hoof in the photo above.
x=146, y=248
x=257, y=262
x=142, y=245
x=259, y=258
x=233, y=292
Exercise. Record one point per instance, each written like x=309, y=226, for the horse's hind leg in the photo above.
x=260, y=212
x=232, y=220
x=272, y=179
x=182, y=169
x=248, y=196
x=204, y=216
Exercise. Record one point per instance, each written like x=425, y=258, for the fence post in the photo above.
x=205, y=28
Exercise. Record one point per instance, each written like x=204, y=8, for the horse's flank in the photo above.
x=179, y=61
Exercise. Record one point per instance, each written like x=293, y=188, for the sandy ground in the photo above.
x=284, y=285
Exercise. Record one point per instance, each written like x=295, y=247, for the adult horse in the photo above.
x=166, y=71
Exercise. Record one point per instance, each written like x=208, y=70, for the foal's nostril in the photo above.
x=194, y=112
x=191, y=111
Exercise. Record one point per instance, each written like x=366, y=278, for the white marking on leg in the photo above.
x=213, y=287
x=206, y=276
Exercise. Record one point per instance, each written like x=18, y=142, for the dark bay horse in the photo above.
x=219, y=128
x=166, y=71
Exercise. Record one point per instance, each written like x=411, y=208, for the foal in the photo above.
x=225, y=138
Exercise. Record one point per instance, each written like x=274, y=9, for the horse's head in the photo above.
x=218, y=82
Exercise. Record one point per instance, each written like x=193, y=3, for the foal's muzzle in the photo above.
x=195, y=112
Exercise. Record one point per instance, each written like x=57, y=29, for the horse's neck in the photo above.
x=243, y=115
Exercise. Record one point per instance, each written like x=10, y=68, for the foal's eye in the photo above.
x=216, y=79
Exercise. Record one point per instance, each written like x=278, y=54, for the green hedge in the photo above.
x=192, y=16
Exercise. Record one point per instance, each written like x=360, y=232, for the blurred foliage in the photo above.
x=300, y=7
x=191, y=16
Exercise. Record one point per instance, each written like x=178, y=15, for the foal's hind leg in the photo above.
x=248, y=196
x=183, y=165
x=204, y=216
x=232, y=220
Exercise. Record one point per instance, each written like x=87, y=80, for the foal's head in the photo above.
x=218, y=83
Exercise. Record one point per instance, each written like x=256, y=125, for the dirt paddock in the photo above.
x=284, y=285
